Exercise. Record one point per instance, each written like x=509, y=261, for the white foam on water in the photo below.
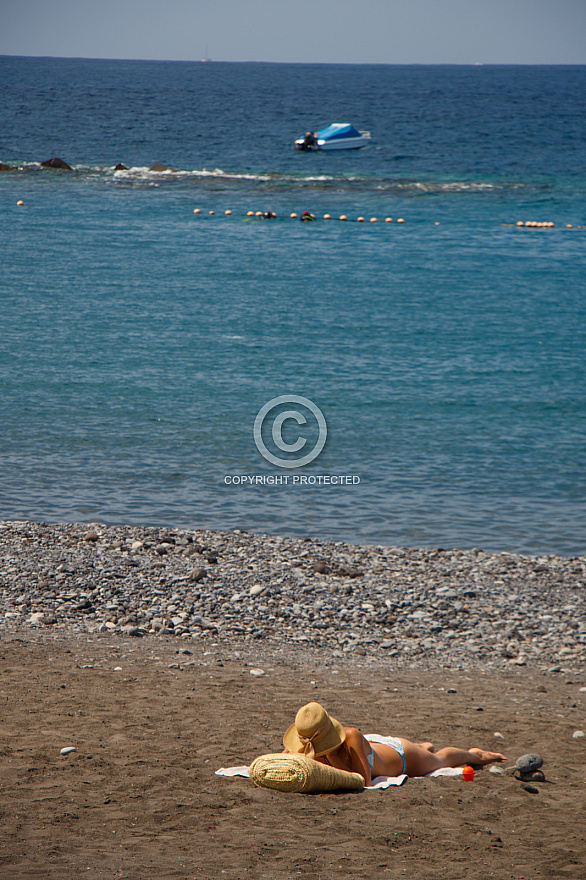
x=140, y=172
x=150, y=177
x=319, y=178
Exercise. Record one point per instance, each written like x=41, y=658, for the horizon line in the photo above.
x=311, y=63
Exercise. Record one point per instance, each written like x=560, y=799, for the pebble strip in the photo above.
x=439, y=608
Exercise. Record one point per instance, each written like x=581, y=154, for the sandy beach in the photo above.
x=250, y=462
x=152, y=714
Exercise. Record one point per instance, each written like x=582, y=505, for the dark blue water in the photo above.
x=139, y=340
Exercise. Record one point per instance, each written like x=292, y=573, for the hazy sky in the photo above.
x=352, y=31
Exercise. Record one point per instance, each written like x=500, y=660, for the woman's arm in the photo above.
x=359, y=749
x=352, y=755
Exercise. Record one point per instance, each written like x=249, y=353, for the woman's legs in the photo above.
x=419, y=759
x=452, y=757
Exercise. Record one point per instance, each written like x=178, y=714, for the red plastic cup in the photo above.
x=468, y=773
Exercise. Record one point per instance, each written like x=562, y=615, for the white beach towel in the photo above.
x=377, y=782
x=242, y=770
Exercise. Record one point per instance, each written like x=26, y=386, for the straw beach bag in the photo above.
x=298, y=774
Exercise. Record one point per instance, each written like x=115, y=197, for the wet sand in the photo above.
x=139, y=797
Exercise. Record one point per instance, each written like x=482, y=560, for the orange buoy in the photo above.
x=327, y=217
x=211, y=212
x=373, y=220
x=196, y=211
x=20, y=203
x=227, y=213
x=400, y=220
x=293, y=216
x=250, y=213
x=343, y=217
x=388, y=219
x=360, y=220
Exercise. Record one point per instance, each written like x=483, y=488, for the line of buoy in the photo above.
x=306, y=216
x=534, y=224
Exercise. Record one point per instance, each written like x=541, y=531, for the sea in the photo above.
x=417, y=384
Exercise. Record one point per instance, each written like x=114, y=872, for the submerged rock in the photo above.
x=158, y=167
x=56, y=163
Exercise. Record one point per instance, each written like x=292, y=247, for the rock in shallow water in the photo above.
x=158, y=166
x=55, y=162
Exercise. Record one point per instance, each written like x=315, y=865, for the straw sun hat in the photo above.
x=314, y=732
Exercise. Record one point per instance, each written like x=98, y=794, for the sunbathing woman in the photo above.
x=317, y=735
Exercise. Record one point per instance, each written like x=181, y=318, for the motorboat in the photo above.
x=337, y=136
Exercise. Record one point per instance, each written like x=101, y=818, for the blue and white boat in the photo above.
x=337, y=136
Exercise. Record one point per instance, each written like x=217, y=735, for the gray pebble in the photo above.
x=528, y=763
x=398, y=605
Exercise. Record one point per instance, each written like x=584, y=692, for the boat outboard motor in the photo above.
x=309, y=141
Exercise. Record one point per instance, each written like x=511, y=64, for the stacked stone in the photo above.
x=437, y=607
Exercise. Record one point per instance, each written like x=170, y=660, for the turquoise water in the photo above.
x=139, y=340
